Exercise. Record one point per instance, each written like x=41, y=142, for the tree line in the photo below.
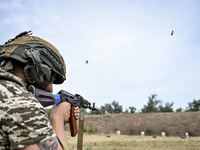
x=153, y=105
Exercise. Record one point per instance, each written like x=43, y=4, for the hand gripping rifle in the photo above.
x=47, y=99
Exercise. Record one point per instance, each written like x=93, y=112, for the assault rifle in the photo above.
x=47, y=99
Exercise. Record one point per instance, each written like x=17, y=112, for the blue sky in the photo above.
x=128, y=43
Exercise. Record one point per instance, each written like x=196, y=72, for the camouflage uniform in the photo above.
x=23, y=120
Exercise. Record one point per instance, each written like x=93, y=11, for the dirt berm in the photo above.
x=173, y=124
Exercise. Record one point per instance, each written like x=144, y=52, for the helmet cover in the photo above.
x=20, y=47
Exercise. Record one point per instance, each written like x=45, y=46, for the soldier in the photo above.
x=29, y=60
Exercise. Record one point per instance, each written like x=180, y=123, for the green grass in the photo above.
x=126, y=142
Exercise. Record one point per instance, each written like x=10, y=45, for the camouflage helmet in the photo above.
x=42, y=60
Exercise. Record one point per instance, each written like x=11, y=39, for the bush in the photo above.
x=91, y=131
x=84, y=129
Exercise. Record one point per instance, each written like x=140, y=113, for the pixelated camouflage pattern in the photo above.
x=23, y=120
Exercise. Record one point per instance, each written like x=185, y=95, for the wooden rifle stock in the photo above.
x=72, y=123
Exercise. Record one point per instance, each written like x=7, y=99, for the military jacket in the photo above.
x=23, y=120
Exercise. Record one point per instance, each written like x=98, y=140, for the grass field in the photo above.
x=126, y=142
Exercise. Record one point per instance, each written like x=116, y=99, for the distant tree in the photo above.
x=151, y=105
x=126, y=111
x=99, y=111
x=116, y=107
x=102, y=109
x=155, y=105
x=167, y=108
x=179, y=109
x=96, y=112
x=108, y=108
x=132, y=109
x=194, y=106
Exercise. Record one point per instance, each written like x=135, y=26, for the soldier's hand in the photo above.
x=61, y=112
x=76, y=113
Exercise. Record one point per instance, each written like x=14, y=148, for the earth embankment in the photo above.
x=173, y=124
